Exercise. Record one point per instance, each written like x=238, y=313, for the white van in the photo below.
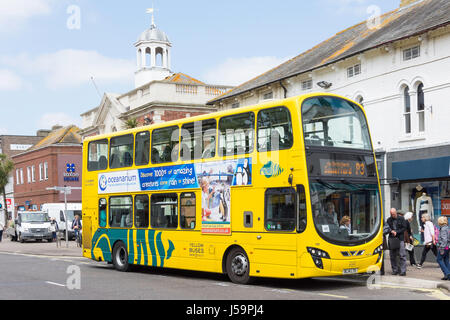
x=56, y=211
x=33, y=225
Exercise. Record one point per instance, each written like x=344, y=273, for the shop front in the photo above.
x=423, y=188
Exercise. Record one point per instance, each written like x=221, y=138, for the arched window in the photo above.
x=159, y=57
x=407, y=110
x=148, y=57
x=421, y=107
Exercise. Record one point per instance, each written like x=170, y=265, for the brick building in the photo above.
x=54, y=161
x=11, y=145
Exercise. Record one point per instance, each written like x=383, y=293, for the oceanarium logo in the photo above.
x=103, y=183
x=116, y=182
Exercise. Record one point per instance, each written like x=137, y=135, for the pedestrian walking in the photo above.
x=2, y=227
x=443, y=244
x=409, y=239
x=430, y=240
x=55, y=230
x=396, y=242
x=77, y=227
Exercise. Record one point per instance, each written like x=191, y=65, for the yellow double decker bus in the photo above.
x=285, y=189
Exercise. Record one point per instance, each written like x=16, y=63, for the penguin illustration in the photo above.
x=246, y=173
x=239, y=177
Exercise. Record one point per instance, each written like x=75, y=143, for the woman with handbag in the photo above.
x=409, y=239
x=443, y=247
x=430, y=240
x=396, y=243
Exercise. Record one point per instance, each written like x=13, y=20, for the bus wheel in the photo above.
x=120, y=257
x=238, y=266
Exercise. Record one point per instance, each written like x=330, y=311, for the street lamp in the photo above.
x=66, y=190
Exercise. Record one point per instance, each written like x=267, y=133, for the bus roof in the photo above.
x=216, y=115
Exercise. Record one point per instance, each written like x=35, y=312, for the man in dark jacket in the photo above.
x=397, y=226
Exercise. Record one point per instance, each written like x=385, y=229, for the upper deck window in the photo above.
x=334, y=122
x=121, y=151
x=165, y=145
x=142, y=148
x=237, y=134
x=198, y=140
x=97, y=155
x=274, y=129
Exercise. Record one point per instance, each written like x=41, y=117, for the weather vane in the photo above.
x=152, y=12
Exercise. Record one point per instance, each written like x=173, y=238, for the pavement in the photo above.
x=428, y=277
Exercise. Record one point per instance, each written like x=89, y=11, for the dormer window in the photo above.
x=268, y=95
x=411, y=53
x=354, y=71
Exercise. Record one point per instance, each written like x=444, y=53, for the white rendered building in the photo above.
x=399, y=71
x=160, y=95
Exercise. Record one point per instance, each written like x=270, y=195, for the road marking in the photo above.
x=434, y=293
x=333, y=296
x=55, y=284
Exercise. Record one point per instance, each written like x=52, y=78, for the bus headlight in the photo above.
x=378, y=250
x=317, y=256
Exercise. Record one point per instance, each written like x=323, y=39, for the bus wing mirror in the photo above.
x=61, y=216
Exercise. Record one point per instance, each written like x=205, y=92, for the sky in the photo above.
x=51, y=49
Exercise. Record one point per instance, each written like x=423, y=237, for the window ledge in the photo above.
x=411, y=138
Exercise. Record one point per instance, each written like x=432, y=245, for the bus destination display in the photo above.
x=344, y=168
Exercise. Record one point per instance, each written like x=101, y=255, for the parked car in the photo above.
x=33, y=225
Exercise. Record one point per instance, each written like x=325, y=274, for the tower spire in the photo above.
x=152, y=12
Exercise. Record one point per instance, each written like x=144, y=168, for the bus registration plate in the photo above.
x=350, y=271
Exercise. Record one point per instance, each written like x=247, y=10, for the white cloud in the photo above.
x=348, y=7
x=235, y=71
x=49, y=120
x=72, y=68
x=3, y=131
x=14, y=13
x=9, y=81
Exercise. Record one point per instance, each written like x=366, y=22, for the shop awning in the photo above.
x=421, y=169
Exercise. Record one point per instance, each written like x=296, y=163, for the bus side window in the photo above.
x=102, y=213
x=121, y=151
x=274, y=129
x=98, y=155
x=164, y=211
x=280, y=209
x=302, y=212
x=236, y=134
x=142, y=147
x=165, y=143
x=198, y=140
x=141, y=211
x=187, y=210
x=121, y=212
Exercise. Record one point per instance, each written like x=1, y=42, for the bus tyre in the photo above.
x=120, y=257
x=238, y=266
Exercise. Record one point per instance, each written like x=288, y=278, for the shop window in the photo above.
x=164, y=211
x=121, y=212
x=97, y=156
x=121, y=151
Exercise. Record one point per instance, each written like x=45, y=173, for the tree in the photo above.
x=6, y=166
x=131, y=123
